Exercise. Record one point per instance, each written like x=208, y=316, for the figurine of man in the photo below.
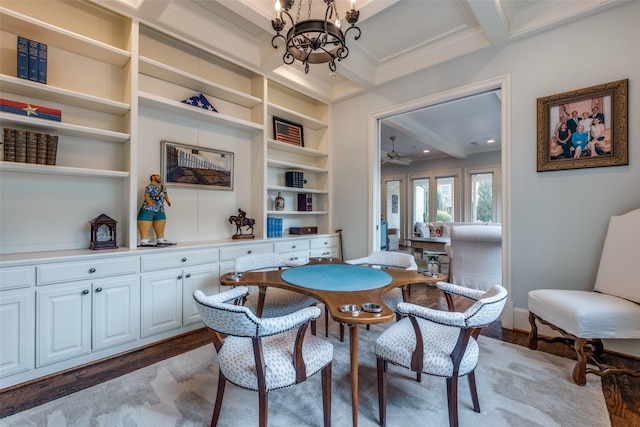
x=152, y=212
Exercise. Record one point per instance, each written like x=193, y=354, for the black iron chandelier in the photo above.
x=314, y=41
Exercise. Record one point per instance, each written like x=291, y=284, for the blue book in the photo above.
x=23, y=58
x=33, y=60
x=42, y=63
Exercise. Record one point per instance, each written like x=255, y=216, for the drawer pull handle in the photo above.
x=188, y=275
x=249, y=251
x=183, y=260
x=92, y=270
x=86, y=291
x=293, y=247
x=180, y=277
x=98, y=289
x=326, y=243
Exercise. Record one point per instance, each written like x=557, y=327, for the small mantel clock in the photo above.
x=103, y=233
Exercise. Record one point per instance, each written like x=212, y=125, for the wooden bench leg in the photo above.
x=580, y=370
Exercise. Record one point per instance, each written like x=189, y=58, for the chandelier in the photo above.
x=314, y=41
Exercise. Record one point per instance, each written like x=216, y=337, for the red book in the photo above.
x=30, y=110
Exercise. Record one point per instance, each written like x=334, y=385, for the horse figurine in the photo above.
x=240, y=221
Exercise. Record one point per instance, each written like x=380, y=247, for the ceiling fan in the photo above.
x=393, y=156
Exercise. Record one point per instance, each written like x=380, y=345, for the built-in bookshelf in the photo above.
x=112, y=125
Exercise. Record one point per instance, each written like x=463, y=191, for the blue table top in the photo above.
x=336, y=277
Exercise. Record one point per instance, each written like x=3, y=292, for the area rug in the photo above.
x=516, y=387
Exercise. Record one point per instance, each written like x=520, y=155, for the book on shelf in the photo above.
x=42, y=63
x=274, y=227
x=9, y=145
x=33, y=60
x=31, y=146
x=41, y=150
x=52, y=149
x=23, y=58
x=305, y=202
x=21, y=146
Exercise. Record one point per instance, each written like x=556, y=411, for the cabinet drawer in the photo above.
x=291, y=246
x=83, y=270
x=231, y=253
x=17, y=277
x=324, y=242
x=179, y=259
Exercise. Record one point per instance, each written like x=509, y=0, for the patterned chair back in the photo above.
x=253, y=262
x=392, y=259
x=228, y=319
x=486, y=309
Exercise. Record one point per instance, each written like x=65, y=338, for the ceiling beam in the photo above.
x=491, y=18
x=425, y=135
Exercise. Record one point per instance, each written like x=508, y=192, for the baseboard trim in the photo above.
x=30, y=394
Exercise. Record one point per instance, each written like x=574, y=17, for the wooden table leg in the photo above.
x=261, y=296
x=353, y=344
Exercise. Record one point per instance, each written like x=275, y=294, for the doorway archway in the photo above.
x=501, y=82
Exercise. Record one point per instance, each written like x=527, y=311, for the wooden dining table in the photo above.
x=339, y=285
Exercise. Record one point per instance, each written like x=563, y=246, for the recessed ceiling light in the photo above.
x=425, y=151
x=490, y=141
x=134, y=4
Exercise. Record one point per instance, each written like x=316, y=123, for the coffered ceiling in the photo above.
x=399, y=37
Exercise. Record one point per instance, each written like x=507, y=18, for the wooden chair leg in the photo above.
x=382, y=391
x=452, y=400
x=222, y=381
x=533, y=333
x=262, y=408
x=326, y=395
x=326, y=321
x=313, y=327
x=341, y=332
x=474, y=391
x=580, y=370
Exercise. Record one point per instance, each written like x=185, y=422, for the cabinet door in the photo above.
x=16, y=331
x=63, y=322
x=116, y=312
x=204, y=278
x=161, y=302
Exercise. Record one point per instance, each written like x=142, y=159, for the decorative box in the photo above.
x=294, y=179
x=303, y=230
x=305, y=202
x=30, y=110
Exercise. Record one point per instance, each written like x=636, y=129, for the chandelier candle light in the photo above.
x=314, y=41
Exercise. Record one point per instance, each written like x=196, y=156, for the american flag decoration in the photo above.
x=30, y=110
x=288, y=132
x=200, y=101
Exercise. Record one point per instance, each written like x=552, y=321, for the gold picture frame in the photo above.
x=605, y=104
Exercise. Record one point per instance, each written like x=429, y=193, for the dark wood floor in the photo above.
x=621, y=393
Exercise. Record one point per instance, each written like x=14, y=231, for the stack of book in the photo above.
x=294, y=179
x=30, y=147
x=274, y=227
x=32, y=60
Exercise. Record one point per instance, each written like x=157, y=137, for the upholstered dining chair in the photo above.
x=277, y=302
x=610, y=311
x=475, y=257
x=439, y=343
x=263, y=354
x=386, y=259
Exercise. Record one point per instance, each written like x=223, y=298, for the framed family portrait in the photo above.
x=190, y=166
x=584, y=128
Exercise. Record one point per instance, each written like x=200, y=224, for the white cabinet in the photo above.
x=324, y=247
x=16, y=331
x=87, y=316
x=167, y=293
x=296, y=251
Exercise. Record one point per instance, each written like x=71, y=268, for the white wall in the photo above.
x=558, y=219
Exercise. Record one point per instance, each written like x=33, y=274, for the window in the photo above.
x=435, y=197
x=483, y=194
